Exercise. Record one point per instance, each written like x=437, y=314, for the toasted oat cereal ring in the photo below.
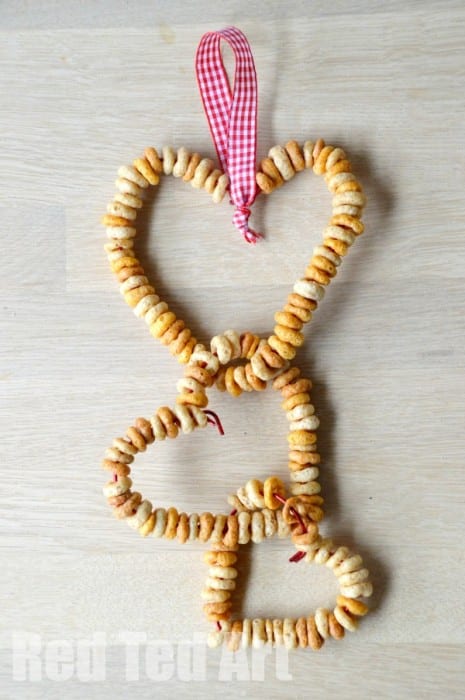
x=337, y=246
x=265, y=183
x=295, y=467
x=145, y=169
x=149, y=525
x=220, y=558
x=249, y=343
x=116, y=488
x=254, y=490
x=349, y=186
x=118, y=468
x=126, y=186
x=126, y=261
x=173, y=331
x=323, y=264
x=172, y=518
x=145, y=429
x=345, y=619
x=192, y=399
x=200, y=374
x=118, y=209
x=231, y=538
x=129, y=507
x=223, y=584
x=160, y=522
x=212, y=595
x=271, y=170
x=162, y=324
x=293, y=504
x=286, y=350
x=117, y=500
x=206, y=526
x=273, y=485
x=288, y=335
x=127, y=272
x=235, y=636
x=130, y=173
x=350, y=222
x=322, y=622
x=285, y=378
x=318, y=275
x=137, y=439
x=301, y=437
x=256, y=383
x=296, y=156
x=315, y=641
x=308, y=153
x=301, y=302
x=301, y=632
x=295, y=400
x=133, y=297
x=218, y=617
x=282, y=161
x=358, y=590
x=319, y=166
x=129, y=200
x=224, y=572
x=352, y=606
x=342, y=166
x=154, y=160
x=231, y=385
x=140, y=516
x=353, y=577
x=302, y=386
x=306, y=538
x=167, y=418
x=304, y=457
x=112, y=220
x=287, y=319
x=271, y=357
x=194, y=162
x=182, y=529
x=336, y=630
x=303, y=315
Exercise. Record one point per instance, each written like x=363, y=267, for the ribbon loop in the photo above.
x=232, y=117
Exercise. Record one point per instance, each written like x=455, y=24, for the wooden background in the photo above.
x=84, y=88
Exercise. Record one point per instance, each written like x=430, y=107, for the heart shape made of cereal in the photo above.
x=280, y=166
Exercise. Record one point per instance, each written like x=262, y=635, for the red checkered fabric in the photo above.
x=232, y=117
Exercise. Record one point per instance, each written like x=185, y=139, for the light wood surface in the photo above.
x=85, y=87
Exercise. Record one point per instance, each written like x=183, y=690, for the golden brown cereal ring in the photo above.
x=353, y=606
x=314, y=639
x=171, y=523
x=273, y=485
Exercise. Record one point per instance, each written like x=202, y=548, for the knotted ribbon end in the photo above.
x=241, y=222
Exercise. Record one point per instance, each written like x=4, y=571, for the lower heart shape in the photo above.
x=310, y=631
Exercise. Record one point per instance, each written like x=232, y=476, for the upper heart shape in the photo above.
x=279, y=167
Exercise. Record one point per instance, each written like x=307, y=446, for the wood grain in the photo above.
x=85, y=88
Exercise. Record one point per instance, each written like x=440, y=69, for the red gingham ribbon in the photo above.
x=232, y=118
